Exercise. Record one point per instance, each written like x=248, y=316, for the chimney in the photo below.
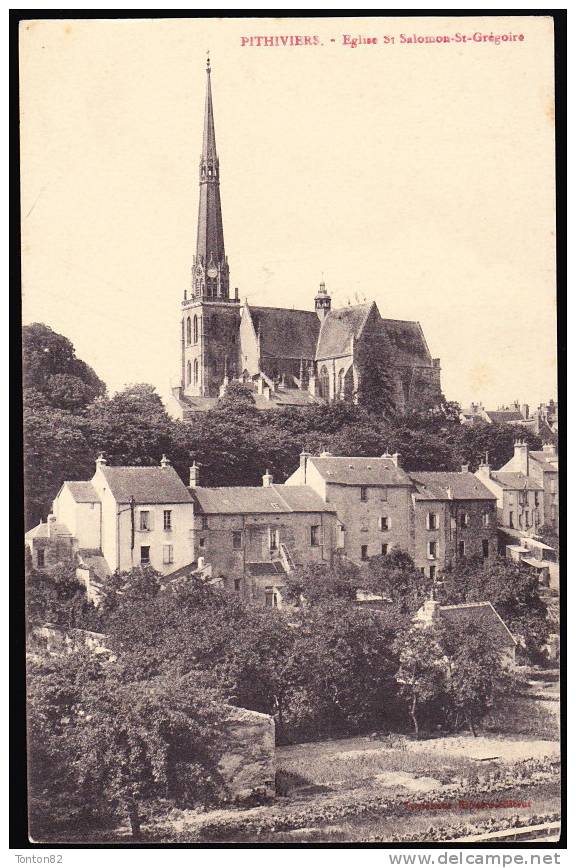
x=101, y=461
x=549, y=448
x=194, y=475
x=449, y=494
x=484, y=467
x=465, y=468
x=325, y=454
x=521, y=457
x=525, y=410
x=200, y=563
x=236, y=295
x=396, y=458
x=267, y=480
x=164, y=462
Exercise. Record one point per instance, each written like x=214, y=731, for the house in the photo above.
x=519, y=499
x=371, y=496
x=287, y=357
x=463, y=614
x=122, y=518
x=454, y=518
x=540, y=466
x=253, y=536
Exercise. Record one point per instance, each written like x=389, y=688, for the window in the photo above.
x=536, y=499
x=202, y=542
x=324, y=383
x=188, y=331
x=274, y=539
x=144, y=554
x=167, y=519
x=432, y=570
x=144, y=519
x=188, y=373
x=364, y=553
x=341, y=383
x=511, y=519
x=432, y=549
x=385, y=523
x=464, y=520
x=536, y=518
x=40, y=558
x=384, y=548
x=195, y=329
x=461, y=548
x=363, y=492
x=520, y=520
x=432, y=521
x=485, y=548
x=168, y=554
x=315, y=535
x=383, y=494
x=486, y=519
x=237, y=585
x=527, y=518
x=236, y=539
x=271, y=598
x=552, y=486
x=195, y=371
x=204, y=522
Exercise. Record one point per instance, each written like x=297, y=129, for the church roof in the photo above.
x=406, y=341
x=286, y=333
x=338, y=327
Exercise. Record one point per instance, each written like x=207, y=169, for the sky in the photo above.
x=418, y=175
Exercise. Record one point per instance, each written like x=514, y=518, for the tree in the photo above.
x=120, y=744
x=59, y=598
x=50, y=367
x=312, y=583
x=395, y=577
x=549, y=535
x=376, y=390
x=236, y=396
x=472, y=442
x=422, y=674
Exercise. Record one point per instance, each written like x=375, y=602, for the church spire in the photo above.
x=210, y=278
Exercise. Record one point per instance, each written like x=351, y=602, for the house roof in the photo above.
x=83, y=492
x=264, y=568
x=286, y=333
x=450, y=486
x=237, y=500
x=359, y=471
x=146, y=484
x=338, y=327
x=38, y=532
x=515, y=481
x=478, y=613
x=498, y=416
x=548, y=459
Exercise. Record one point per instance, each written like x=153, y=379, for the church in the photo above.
x=286, y=357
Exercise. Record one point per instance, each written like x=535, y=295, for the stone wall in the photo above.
x=249, y=764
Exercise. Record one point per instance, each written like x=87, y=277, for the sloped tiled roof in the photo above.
x=406, y=342
x=146, y=484
x=265, y=568
x=38, y=532
x=83, y=492
x=240, y=499
x=515, y=481
x=498, y=416
x=548, y=459
x=479, y=613
x=463, y=486
x=338, y=327
x=359, y=471
x=286, y=333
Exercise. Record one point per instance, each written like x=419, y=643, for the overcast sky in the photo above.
x=420, y=176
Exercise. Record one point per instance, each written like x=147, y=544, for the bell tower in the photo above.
x=322, y=301
x=210, y=319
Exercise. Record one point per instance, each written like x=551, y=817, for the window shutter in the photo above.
x=151, y=519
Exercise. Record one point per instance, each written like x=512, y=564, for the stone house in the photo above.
x=253, y=536
x=371, y=496
x=454, y=518
x=462, y=614
x=540, y=466
x=122, y=518
x=519, y=499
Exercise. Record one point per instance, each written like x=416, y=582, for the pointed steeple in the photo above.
x=210, y=278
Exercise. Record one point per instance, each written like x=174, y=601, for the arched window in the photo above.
x=188, y=331
x=324, y=383
x=195, y=329
x=195, y=371
x=188, y=373
x=341, y=383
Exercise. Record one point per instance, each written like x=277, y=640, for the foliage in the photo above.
x=422, y=674
x=396, y=578
x=59, y=598
x=312, y=583
x=549, y=535
x=236, y=395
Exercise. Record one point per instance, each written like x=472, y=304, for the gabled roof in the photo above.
x=449, y=486
x=286, y=333
x=407, y=343
x=83, y=492
x=146, y=484
x=359, y=471
x=478, y=613
x=338, y=327
x=548, y=459
x=240, y=499
x=498, y=416
x=265, y=568
x=515, y=481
